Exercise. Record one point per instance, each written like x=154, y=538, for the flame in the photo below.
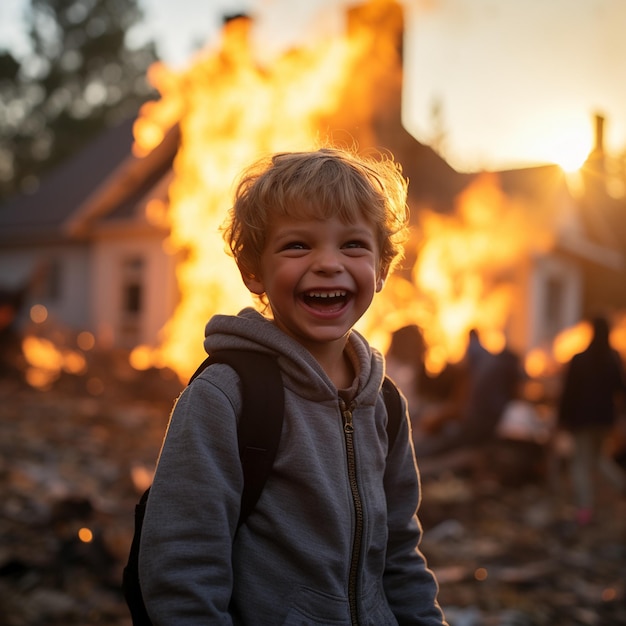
x=573, y=340
x=47, y=361
x=576, y=338
x=467, y=271
x=157, y=118
x=230, y=110
x=537, y=363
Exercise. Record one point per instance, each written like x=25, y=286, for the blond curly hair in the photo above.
x=325, y=183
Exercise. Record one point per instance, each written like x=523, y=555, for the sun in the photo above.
x=570, y=150
x=571, y=161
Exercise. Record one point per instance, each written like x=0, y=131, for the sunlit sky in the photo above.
x=518, y=81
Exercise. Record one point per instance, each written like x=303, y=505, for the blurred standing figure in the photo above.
x=593, y=382
x=476, y=352
x=490, y=382
x=405, y=364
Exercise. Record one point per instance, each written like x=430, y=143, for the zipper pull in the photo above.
x=346, y=412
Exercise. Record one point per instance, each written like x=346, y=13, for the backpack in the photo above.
x=260, y=426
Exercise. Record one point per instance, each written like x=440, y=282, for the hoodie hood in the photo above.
x=249, y=330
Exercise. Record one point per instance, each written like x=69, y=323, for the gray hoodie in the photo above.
x=334, y=537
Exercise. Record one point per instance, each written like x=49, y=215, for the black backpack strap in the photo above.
x=261, y=420
x=260, y=427
x=395, y=415
x=130, y=575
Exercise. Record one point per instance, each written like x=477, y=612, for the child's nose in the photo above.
x=328, y=261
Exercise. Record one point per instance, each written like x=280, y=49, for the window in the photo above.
x=51, y=283
x=132, y=275
x=553, y=314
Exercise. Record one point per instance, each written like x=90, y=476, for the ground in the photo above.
x=504, y=553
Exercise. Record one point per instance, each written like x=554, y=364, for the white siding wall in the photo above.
x=158, y=291
x=63, y=284
x=555, y=298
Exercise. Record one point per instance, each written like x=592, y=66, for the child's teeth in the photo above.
x=326, y=294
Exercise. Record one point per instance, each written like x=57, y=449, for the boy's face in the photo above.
x=319, y=277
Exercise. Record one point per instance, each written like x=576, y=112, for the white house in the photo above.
x=82, y=246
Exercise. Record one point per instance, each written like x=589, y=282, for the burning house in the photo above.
x=128, y=232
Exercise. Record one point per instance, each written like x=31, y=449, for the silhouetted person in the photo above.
x=593, y=381
x=493, y=381
x=405, y=363
x=11, y=301
x=476, y=353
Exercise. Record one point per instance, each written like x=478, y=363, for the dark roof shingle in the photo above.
x=41, y=215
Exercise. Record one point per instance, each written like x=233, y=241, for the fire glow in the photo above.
x=46, y=361
x=231, y=109
x=467, y=269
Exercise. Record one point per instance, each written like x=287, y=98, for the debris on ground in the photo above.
x=73, y=464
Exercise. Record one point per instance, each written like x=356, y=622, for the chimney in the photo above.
x=595, y=163
x=598, y=147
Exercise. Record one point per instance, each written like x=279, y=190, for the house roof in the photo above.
x=433, y=182
x=530, y=182
x=121, y=197
x=40, y=216
x=586, y=226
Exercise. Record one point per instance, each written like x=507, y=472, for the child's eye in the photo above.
x=355, y=243
x=295, y=245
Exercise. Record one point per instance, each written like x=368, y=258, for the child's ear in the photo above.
x=252, y=282
x=382, y=277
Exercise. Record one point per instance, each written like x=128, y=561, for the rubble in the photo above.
x=72, y=466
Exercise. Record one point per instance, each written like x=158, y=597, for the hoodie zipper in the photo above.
x=348, y=430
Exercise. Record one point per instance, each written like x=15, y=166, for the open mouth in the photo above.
x=326, y=300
